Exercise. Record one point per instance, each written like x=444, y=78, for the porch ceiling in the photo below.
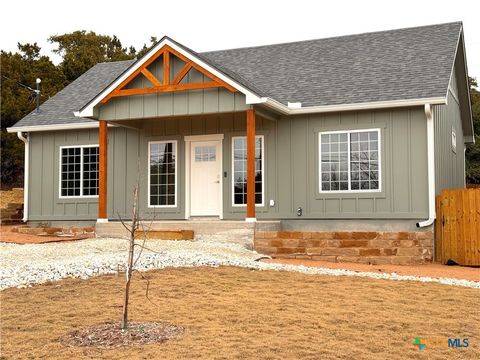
x=141, y=123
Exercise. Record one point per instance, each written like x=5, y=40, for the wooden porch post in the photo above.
x=102, y=171
x=250, y=165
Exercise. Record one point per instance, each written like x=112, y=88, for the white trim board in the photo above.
x=71, y=126
x=211, y=137
x=57, y=127
x=283, y=109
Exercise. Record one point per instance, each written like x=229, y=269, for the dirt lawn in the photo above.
x=9, y=236
x=235, y=313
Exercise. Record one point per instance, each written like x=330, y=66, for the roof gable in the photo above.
x=163, y=48
x=167, y=80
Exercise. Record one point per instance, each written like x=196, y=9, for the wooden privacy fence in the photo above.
x=458, y=227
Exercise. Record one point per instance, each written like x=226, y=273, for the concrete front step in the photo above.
x=240, y=232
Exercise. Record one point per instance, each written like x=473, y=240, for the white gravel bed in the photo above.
x=26, y=265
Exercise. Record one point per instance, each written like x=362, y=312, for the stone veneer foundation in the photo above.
x=363, y=246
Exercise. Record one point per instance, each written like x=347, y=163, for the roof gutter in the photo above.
x=26, y=166
x=285, y=110
x=70, y=126
x=430, y=168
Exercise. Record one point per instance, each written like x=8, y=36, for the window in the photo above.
x=162, y=173
x=350, y=161
x=454, y=140
x=79, y=171
x=239, y=150
x=205, y=153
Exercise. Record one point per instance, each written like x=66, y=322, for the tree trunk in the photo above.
x=131, y=250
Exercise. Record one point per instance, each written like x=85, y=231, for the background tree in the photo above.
x=145, y=48
x=20, y=70
x=473, y=150
x=80, y=50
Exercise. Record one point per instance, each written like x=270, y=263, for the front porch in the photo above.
x=187, y=167
x=184, y=169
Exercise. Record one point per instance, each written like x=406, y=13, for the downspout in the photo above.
x=430, y=168
x=25, y=175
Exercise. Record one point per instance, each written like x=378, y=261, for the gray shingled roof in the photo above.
x=400, y=64
x=412, y=63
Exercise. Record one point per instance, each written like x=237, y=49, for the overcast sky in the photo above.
x=211, y=25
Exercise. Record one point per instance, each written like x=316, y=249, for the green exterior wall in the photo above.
x=403, y=163
x=44, y=202
x=449, y=164
x=291, y=160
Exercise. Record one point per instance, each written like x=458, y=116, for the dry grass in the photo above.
x=14, y=196
x=240, y=313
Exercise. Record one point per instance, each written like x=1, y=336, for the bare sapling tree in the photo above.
x=131, y=252
x=134, y=229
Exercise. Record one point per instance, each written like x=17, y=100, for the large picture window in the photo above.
x=350, y=161
x=239, y=162
x=79, y=171
x=162, y=173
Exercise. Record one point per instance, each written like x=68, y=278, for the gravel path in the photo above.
x=25, y=265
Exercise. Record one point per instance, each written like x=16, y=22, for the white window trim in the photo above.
x=454, y=140
x=176, y=173
x=350, y=191
x=60, y=196
x=263, y=171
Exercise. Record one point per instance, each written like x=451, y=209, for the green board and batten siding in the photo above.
x=449, y=163
x=291, y=153
x=45, y=203
x=403, y=163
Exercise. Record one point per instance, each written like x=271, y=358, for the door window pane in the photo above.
x=205, y=153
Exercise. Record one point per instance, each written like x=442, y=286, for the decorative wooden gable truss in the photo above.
x=168, y=83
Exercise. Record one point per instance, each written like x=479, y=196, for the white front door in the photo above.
x=205, y=178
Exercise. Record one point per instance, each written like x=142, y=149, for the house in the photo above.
x=341, y=139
